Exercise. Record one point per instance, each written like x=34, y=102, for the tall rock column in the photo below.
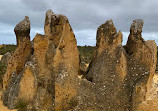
x=63, y=58
x=142, y=57
x=108, y=69
x=22, y=52
x=120, y=77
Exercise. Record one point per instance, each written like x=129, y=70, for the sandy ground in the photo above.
x=1, y=56
x=2, y=107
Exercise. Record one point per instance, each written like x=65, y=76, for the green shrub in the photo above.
x=7, y=48
x=86, y=53
x=21, y=105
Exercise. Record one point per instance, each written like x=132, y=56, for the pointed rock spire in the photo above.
x=22, y=29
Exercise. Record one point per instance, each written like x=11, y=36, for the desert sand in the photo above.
x=1, y=56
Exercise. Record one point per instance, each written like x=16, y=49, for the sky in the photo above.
x=85, y=16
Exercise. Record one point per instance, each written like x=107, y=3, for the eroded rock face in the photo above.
x=51, y=72
x=22, y=30
x=16, y=64
x=22, y=52
x=64, y=59
x=57, y=62
x=45, y=73
x=108, y=47
x=121, y=77
x=22, y=87
x=108, y=70
x=3, y=64
x=5, y=58
x=28, y=84
x=141, y=67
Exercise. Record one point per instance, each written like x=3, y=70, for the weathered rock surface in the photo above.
x=16, y=66
x=108, y=70
x=5, y=58
x=65, y=59
x=142, y=66
x=22, y=30
x=51, y=72
x=22, y=52
x=22, y=87
x=121, y=77
x=57, y=61
x=45, y=73
x=3, y=65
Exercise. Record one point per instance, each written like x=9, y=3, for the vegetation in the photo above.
x=7, y=48
x=86, y=53
x=21, y=105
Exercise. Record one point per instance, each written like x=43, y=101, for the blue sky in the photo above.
x=85, y=16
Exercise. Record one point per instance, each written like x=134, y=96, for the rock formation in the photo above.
x=22, y=52
x=5, y=58
x=57, y=57
x=141, y=67
x=121, y=76
x=44, y=73
x=107, y=72
x=50, y=74
x=16, y=63
x=65, y=58
x=3, y=66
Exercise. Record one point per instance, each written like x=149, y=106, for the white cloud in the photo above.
x=84, y=16
x=7, y=35
x=84, y=37
x=88, y=37
x=151, y=36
